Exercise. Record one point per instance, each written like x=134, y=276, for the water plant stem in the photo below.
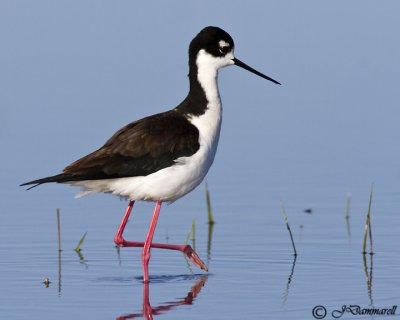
x=210, y=215
x=367, y=228
x=348, y=203
x=80, y=243
x=288, y=227
x=193, y=231
x=59, y=229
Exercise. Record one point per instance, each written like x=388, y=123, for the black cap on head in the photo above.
x=209, y=39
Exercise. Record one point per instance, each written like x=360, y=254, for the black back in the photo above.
x=140, y=148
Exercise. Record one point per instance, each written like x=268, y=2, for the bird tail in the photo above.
x=59, y=178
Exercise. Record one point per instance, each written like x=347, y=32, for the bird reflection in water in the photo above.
x=149, y=311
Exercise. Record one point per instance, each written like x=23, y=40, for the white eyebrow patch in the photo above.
x=223, y=44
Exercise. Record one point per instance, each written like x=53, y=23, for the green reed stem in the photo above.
x=367, y=228
x=59, y=229
x=348, y=203
x=288, y=227
x=210, y=215
x=80, y=243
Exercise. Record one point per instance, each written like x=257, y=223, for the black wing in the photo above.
x=141, y=148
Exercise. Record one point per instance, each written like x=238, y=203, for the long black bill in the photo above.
x=248, y=68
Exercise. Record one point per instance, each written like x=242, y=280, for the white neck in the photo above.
x=209, y=123
x=207, y=75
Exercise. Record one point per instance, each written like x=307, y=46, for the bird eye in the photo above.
x=224, y=49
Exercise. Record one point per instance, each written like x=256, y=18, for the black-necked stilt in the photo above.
x=164, y=156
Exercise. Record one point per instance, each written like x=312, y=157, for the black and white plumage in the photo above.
x=164, y=156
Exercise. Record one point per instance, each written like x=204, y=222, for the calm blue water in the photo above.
x=250, y=258
x=71, y=76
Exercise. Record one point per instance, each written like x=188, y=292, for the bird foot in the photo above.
x=186, y=249
x=194, y=257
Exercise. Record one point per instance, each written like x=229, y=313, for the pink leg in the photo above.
x=119, y=239
x=148, y=241
x=186, y=249
x=147, y=310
